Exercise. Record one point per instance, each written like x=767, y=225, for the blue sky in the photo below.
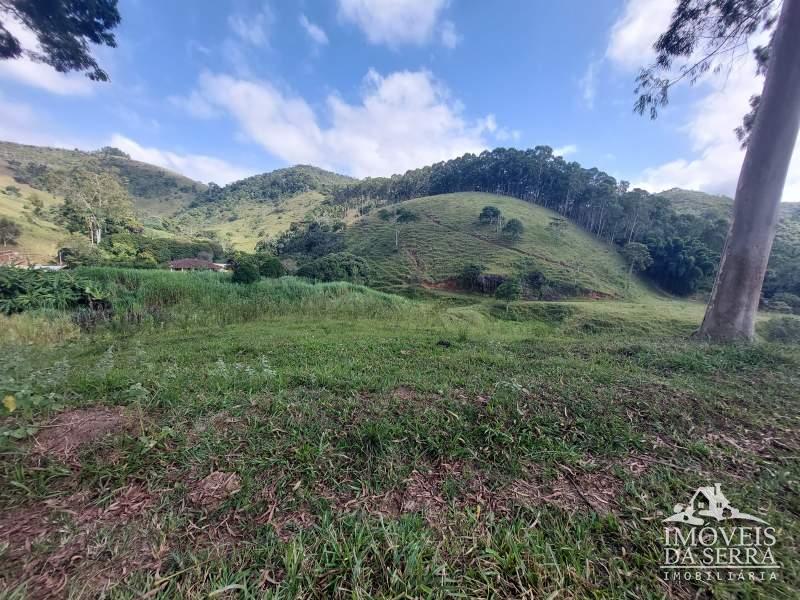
x=372, y=87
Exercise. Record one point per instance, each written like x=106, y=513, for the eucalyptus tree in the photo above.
x=63, y=29
x=707, y=35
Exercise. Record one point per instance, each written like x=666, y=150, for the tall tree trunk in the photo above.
x=730, y=314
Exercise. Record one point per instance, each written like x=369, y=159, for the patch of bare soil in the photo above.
x=572, y=490
x=69, y=528
x=286, y=521
x=404, y=393
x=213, y=489
x=64, y=436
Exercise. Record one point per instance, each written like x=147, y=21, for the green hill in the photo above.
x=267, y=204
x=691, y=202
x=155, y=191
x=447, y=236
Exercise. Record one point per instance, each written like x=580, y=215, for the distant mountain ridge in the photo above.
x=154, y=190
x=276, y=184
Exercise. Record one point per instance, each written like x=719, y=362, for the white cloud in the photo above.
x=637, y=29
x=195, y=105
x=253, y=29
x=37, y=74
x=404, y=120
x=315, y=32
x=196, y=166
x=717, y=156
x=395, y=22
x=565, y=150
x=588, y=84
x=450, y=37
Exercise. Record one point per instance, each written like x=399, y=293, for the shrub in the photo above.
x=514, y=229
x=245, y=271
x=782, y=329
x=508, y=291
x=406, y=216
x=341, y=266
x=489, y=214
x=787, y=298
x=469, y=277
x=269, y=266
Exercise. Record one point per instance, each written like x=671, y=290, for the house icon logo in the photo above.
x=708, y=502
x=721, y=543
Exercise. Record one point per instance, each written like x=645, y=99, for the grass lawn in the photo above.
x=330, y=441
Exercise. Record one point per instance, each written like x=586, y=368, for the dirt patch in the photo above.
x=213, y=489
x=572, y=490
x=758, y=443
x=451, y=285
x=70, y=529
x=64, y=436
x=286, y=521
x=404, y=393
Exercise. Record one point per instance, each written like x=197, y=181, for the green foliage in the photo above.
x=679, y=265
x=245, y=271
x=24, y=289
x=340, y=266
x=64, y=32
x=273, y=186
x=781, y=329
x=508, y=291
x=787, y=298
x=130, y=248
x=637, y=255
x=384, y=215
x=9, y=231
x=77, y=251
x=513, y=229
x=406, y=216
x=469, y=277
x=490, y=214
x=206, y=299
x=95, y=203
x=153, y=190
x=270, y=266
x=314, y=239
x=248, y=268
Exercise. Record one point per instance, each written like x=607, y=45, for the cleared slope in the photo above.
x=447, y=237
x=39, y=235
x=155, y=191
x=246, y=222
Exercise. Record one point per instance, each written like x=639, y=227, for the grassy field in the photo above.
x=40, y=236
x=289, y=440
x=447, y=237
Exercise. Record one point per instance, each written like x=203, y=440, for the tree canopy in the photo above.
x=64, y=29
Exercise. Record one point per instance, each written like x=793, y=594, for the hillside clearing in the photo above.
x=448, y=237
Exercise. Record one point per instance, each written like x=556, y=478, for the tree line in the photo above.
x=684, y=248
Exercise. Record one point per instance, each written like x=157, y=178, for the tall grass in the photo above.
x=44, y=327
x=142, y=296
